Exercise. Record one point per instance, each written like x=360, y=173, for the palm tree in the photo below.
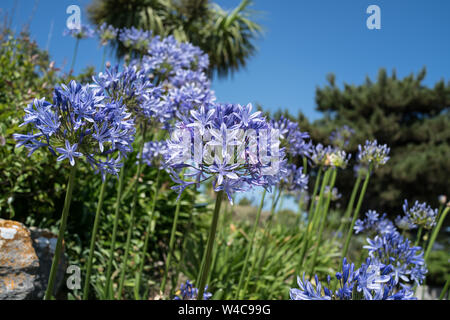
x=226, y=36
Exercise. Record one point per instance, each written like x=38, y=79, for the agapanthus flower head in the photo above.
x=442, y=199
x=408, y=264
x=167, y=56
x=294, y=178
x=340, y=137
x=333, y=193
x=293, y=140
x=373, y=153
x=145, y=100
x=107, y=33
x=372, y=281
x=84, y=32
x=374, y=223
x=403, y=223
x=421, y=214
x=189, y=292
x=338, y=158
x=80, y=122
x=227, y=143
x=320, y=155
x=153, y=152
x=135, y=39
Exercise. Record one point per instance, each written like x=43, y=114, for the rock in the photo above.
x=44, y=243
x=25, y=261
x=19, y=264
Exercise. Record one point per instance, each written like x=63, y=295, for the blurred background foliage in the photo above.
x=411, y=118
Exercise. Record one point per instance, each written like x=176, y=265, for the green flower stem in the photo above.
x=102, y=68
x=114, y=233
x=419, y=235
x=209, y=246
x=180, y=262
x=445, y=289
x=355, y=214
x=149, y=231
x=267, y=230
x=62, y=228
x=435, y=233
x=313, y=197
x=317, y=212
x=322, y=224
x=311, y=219
x=171, y=245
x=133, y=209
x=350, y=204
x=93, y=238
x=250, y=246
x=75, y=51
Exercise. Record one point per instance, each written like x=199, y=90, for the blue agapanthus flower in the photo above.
x=420, y=214
x=80, y=123
x=84, y=32
x=403, y=223
x=320, y=155
x=340, y=137
x=333, y=194
x=372, y=281
x=373, y=153
x=107, y=33
x=295, y=142
x=226, y=143
x=294, y=178
x=136, y=39
x=188, y=292
x=153, y=152
x=374, y=223
x=408, y=264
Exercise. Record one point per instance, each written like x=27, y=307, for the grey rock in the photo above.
x=25, y=262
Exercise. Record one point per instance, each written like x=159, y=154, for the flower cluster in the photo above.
x=340, y=138
x=403, y=223
x=81, y=122
x=338, y=158
x=153, y=152
x=292, y=139
x=373, y=153
x=83, y=32
x=375, y=224
x=167, y=55
x=136, y=39
x=334, y=195
x=294, y=178
x=420, y=214
x=240, y=150
x=107, y=33
x=372, y=281
x=320, y=155
x=406, y=260
x=188, y=292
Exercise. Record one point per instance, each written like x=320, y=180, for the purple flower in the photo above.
x=69, y=153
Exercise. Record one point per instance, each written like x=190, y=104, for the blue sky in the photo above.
x=303, y=41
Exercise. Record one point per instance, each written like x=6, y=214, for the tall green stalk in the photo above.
x=435, y=233
x=267, y=230
x=147, y=236
x=419, y=235
x=114, y=233
x=75, y=51
x=322, y=224
x=250, y=245
x=171, y=245
x=445, y=289
x=350, y=204
x=62, y=229
x=93, y=238
x=355, y=214
x=212, y=234
x=311, y=221
x=133, y=209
